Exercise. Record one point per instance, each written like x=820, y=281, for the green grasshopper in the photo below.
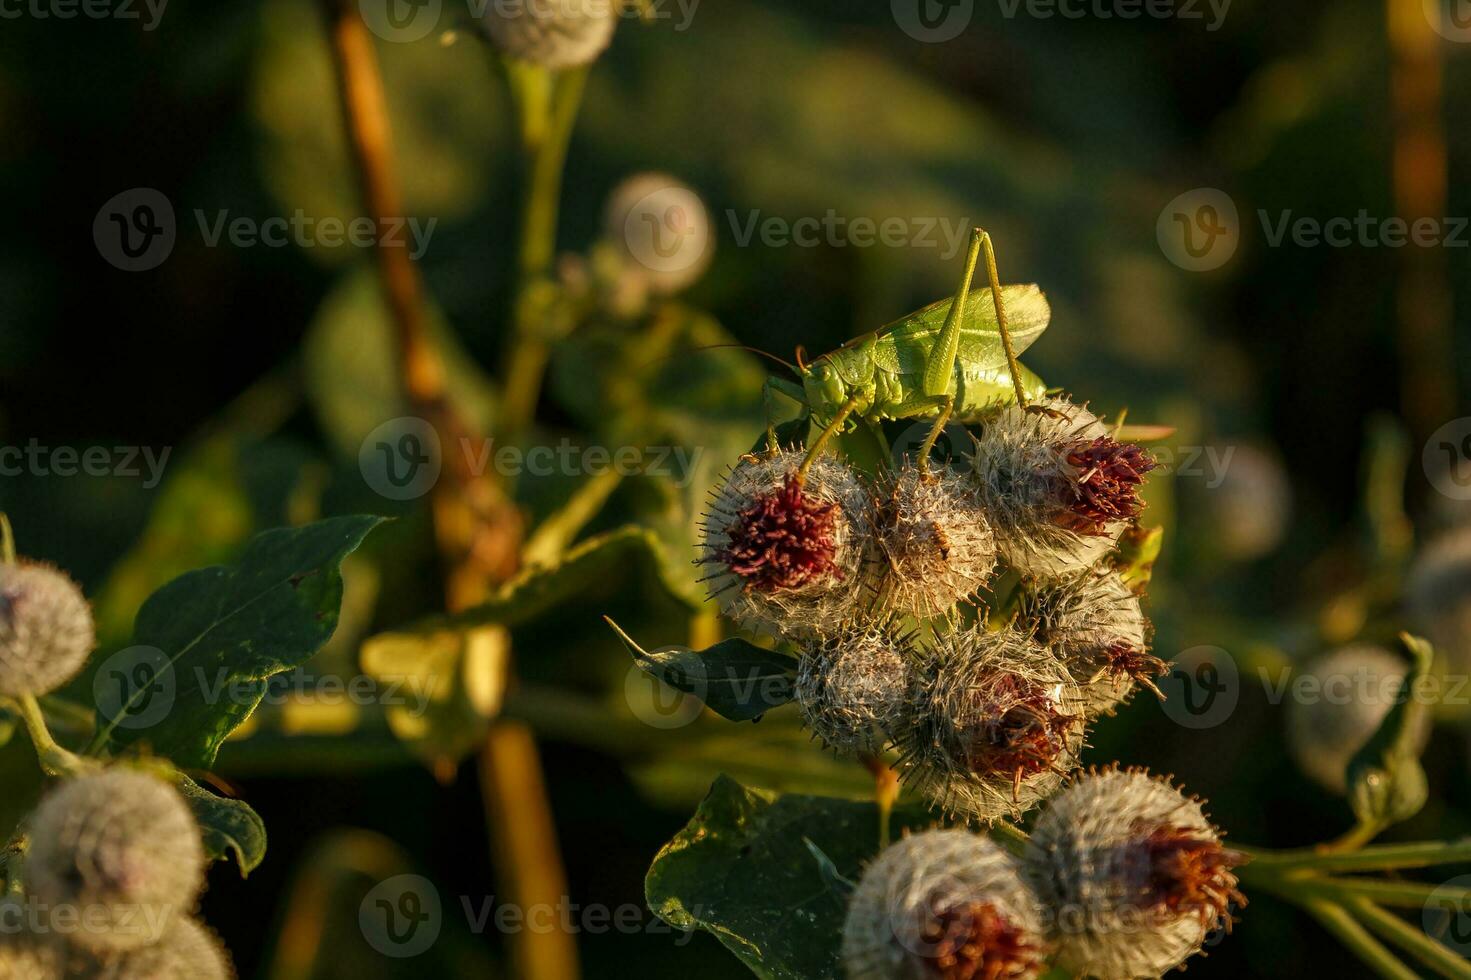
x=956, y=358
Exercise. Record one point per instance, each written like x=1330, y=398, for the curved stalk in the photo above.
x=54, y=760
x=1396, y=930
x=1356, y=939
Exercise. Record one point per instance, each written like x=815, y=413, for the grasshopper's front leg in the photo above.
x=770, y=388
x=939, y=367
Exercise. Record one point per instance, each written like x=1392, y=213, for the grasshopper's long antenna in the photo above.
x=753, y=350
x=1001, y=324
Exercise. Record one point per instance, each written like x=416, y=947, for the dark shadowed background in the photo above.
x=1105, y=154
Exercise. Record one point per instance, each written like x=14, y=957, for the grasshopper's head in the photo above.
x=826, y=390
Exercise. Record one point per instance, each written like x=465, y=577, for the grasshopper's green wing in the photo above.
x=1027, y=315
x=908, y=340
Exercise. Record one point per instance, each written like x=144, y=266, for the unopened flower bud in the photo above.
x=994, y=723
x=787, y=555
x=662, y=229
x=46, y=631
x=1133, y=872
x=935, y=546
x=1095, y=625
x=851, y=688
x=1345, y=697
x=1059, y=488
x=943, y=905
x=120, y=846
x=552, y=33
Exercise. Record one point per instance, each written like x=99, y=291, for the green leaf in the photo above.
x=744, y=870
x=229, y=826
x=734, y=678
x=1387, y=783
x=1139, y=549
x=218, y=634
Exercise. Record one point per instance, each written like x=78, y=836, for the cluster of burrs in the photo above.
x=880, y=585
x=103, y=878
x=1123, y=877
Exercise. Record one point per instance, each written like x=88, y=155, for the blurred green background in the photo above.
x=262, y=369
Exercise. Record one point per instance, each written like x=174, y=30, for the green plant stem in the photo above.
x=1357, y=939
x=547, y=107
x=1396, y=930
x=1355, y=838
x=54, y=760
x=1383, y=857
x=7, y=541
x=1402, y=894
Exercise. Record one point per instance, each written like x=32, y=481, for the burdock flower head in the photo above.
x=943, y=905
x=1095, y=625
x=122, y=848
x=851, y=688
x=1134, y=873
x=787, y=552
x=46, y=631
x=552, y=33
x=995, y=723
x=1353, y=690
x=1059, y=487
x=935, y=546
x=187, y=951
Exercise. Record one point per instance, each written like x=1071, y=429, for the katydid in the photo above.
x=953, y=359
